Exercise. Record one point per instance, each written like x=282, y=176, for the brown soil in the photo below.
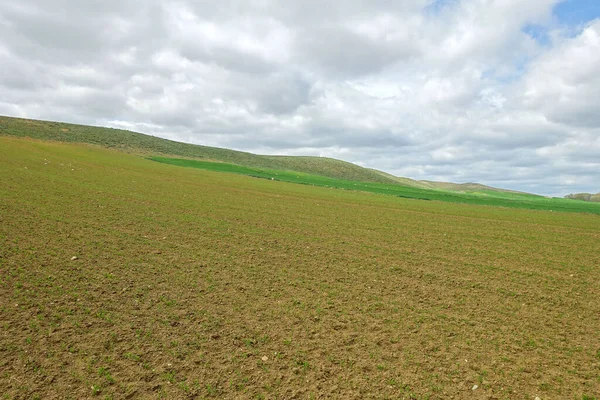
x=192, y=284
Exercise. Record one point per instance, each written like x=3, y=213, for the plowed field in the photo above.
x=125, y=278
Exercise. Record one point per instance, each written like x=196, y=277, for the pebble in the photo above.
x=475, y=387
x=265, y=358
x=74, y=258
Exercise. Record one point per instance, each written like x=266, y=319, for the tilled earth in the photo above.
x=122, y=278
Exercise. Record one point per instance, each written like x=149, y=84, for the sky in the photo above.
x=500, y=92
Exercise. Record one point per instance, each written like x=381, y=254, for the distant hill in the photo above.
x=401, y=180
x=140, y=143
x=448, y=186
x=466, y=187
x=595, y=198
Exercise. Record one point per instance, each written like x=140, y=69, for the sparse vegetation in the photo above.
x=186, y=279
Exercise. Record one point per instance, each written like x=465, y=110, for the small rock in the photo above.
x=475, y=387
x=265, y=358
x=537, y=398
x=74, y=258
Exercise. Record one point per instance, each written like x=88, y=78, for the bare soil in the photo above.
x=195, y=284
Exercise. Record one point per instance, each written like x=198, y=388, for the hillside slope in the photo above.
x=402, y=180
x=449, y=186
x=469, y=187
x=138, y=142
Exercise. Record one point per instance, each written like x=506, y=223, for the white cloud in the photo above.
x=454, y=90
x=564, y=83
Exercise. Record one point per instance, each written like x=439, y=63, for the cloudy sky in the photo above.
x=502, y=92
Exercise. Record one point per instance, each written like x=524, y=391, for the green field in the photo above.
x=480, y=197
x=139, y=143
x=191, y=283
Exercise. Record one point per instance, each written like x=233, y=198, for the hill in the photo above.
x=468, y=187
x=141, y=143
x=315, y=171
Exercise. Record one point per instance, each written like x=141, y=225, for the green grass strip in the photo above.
x=484, y=197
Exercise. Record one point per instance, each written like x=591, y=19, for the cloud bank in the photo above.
x=502, y=92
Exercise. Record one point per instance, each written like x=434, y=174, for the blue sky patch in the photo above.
x=539, y=33
x=572, y=14
x=577, y=12
x=435, y=7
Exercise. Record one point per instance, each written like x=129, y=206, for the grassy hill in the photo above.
x=138, y=142
x=469, y=187
x=448, y=186
x=401, y=180
x=315, y=171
